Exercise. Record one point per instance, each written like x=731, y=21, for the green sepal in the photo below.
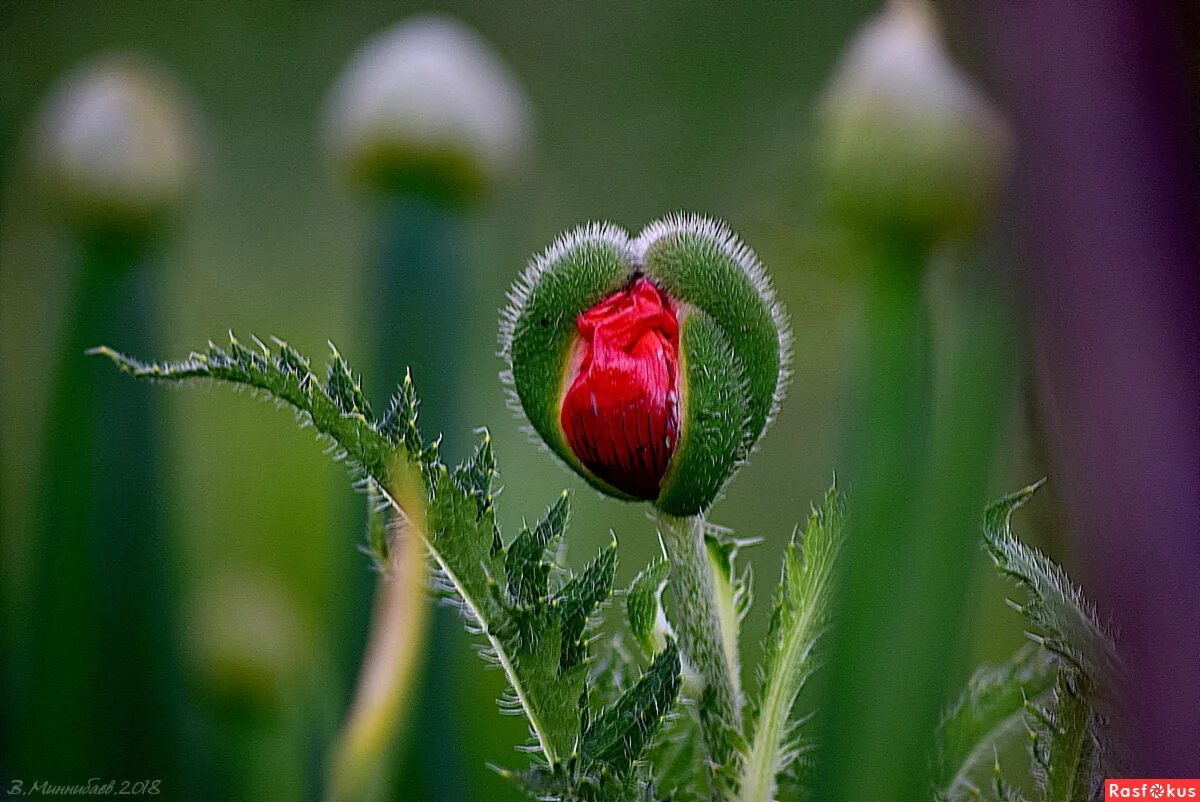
x=703, y=265
x=581, y=269
x=713, y=434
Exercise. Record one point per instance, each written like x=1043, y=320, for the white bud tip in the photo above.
x=428, y=94
x=909, y=135
x=115, y=142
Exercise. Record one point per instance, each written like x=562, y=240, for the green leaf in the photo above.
x=644, y=608
x=579, y=599
x=528, y=572
x=679, y=760
x=610, y=766
x=990, y=711
x=1060, y=618
x=798, y=617
x=619, y=735
x=1072, y=742
x=1066, y=750
x=538, y=637
x=734, y=592
x=331, y=408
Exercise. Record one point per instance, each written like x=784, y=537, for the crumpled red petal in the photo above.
x=621, y=412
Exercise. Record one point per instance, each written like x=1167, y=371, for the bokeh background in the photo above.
x=638, y=110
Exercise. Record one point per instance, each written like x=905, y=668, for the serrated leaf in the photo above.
x=580, y=598
x=990, y=711
x=644, y=608
x=367, y=451
x=1061, y=619
x=679, y=759
x=528, y=572
x=342, y=386
x=619, y=735
x=1066, y=752
x=526, y=642
x=798, y=617
x=540, y=642
x=1072, y=736
x=399, y=423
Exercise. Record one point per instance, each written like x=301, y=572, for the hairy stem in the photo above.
x=700, y=626
x=362, y=755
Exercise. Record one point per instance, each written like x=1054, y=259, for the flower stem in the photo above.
x=361, y=758
x=416, y=295
x=883, y=552
x=699, y=623
x=101, y=615
x=420, y=296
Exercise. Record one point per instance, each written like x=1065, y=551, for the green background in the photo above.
x=639, y=110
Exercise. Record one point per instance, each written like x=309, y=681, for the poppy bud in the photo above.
x=651, y=365
x=428, y=104
x=116, y=145
x=910, y=144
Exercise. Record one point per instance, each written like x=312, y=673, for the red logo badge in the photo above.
x=1151, y=789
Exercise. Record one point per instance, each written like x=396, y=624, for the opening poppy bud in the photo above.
x=652, y=365
x=621, y=412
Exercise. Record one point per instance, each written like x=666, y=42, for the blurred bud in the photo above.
x=428, y=106
x=650, y=366
x=247, y=643
x=115, y=145
x=910, y=145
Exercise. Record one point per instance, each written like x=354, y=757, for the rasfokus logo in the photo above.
x=1151, y=789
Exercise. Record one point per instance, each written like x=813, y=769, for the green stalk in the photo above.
x=966, y=429
x=361, y=760
x=417, y=298
x=897, y=642
x=102, y=682
x=702, y=633
x=876, y=719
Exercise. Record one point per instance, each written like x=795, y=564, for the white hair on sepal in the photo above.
x=518, y=294
x=743, y=256
x=518, y=297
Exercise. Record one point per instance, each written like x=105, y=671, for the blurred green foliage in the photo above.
x=640, y=109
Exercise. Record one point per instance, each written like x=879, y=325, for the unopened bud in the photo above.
x=115, y=145
x=428, y=106
x=910, y=145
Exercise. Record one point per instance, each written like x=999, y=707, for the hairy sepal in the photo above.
x=537, y=330
x=714, y=436
x=703, y=264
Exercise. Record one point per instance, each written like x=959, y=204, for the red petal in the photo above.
x=621, y=413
